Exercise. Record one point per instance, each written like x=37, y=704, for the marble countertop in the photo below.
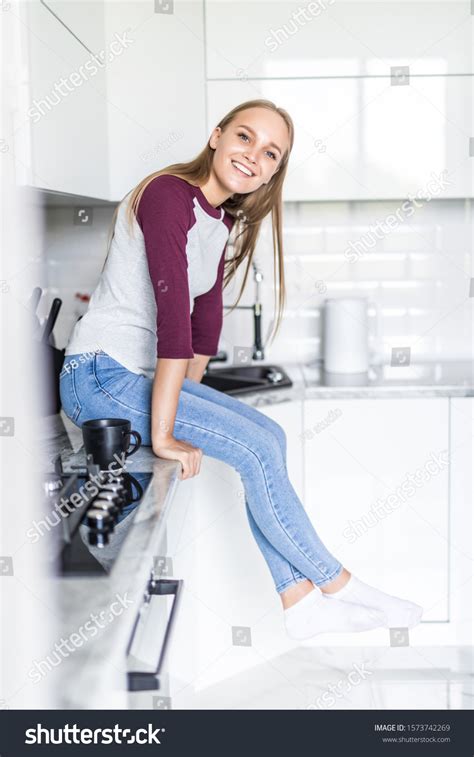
x=95, y=675
x=310, y=381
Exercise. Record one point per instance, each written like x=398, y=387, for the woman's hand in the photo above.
x=173, y=449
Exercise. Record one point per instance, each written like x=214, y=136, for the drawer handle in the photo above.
x=150, y=680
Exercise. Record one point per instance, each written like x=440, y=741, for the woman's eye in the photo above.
x=269, y=152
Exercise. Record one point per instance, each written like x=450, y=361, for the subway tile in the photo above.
x=416, y=274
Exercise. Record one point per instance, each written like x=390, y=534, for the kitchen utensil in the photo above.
x=51, y=319
x=51, y=360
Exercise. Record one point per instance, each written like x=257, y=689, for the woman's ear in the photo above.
x=214, y=137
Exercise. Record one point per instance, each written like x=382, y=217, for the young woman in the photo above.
x=152, y=324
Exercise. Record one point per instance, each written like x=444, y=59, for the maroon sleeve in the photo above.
x=206, y=318
x=207, y=315
x=164, y=215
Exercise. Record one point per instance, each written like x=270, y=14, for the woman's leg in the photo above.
x=104, y=388
x=100, y=387
x=289, y=590
x=297, y=584
x=344, y=587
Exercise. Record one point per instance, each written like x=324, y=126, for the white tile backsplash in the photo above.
x=417, y=275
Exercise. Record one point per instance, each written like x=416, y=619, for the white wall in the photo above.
x=418, y=274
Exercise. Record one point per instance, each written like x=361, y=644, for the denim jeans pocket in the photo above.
x=112, y=377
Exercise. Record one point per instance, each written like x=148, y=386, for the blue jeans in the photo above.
x=94, y=385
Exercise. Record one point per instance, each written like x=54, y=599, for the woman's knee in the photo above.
x=278, y=432
x=262, y=449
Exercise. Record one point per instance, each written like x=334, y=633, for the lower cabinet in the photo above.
x=377, y=491
x=387, y=484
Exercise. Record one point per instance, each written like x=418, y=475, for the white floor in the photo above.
x=338, y=678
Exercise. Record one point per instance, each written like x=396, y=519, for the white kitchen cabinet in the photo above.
x=264, y=39
x=66, y=111
x=361, y=138
x=83, y=18
x=226, y=583
x=461, y=580
x=155, y=90
x=122, y=120
x=390, y=529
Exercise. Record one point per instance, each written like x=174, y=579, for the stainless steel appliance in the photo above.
x=87, y=505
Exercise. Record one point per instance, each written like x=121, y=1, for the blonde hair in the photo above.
x=249, y=210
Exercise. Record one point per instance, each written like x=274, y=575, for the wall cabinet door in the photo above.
x=83, y=18
x=66, y=112
x=376, y=475
x=155, y=90
x=133, y=97
x=361, y=138
x=263, y=39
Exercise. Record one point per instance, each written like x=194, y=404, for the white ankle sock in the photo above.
x=399, y=613
x=316, y=614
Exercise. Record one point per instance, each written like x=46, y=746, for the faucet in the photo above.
x=258, y=353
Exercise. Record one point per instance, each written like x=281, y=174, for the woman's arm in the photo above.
x=196, y=367
x=169, y=376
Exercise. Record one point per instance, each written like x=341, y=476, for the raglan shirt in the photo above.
x=160, y=293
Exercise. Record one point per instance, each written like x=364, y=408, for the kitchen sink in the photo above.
x=243, y=379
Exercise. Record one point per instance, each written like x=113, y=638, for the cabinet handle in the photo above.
x=143, y=680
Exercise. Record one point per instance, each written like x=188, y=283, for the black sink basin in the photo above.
x=243, y=379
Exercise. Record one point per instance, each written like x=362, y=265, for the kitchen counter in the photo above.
x=95, y=673
x=310, y=381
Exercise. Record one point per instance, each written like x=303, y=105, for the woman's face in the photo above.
x=249, y=152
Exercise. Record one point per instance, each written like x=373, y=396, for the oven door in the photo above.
x=149, y=645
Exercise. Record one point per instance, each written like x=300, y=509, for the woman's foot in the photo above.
x=399, y=613
x=315, y=613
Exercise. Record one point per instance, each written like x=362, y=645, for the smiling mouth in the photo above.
x=242, y=170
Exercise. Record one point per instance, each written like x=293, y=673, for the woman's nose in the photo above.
x=250, y=156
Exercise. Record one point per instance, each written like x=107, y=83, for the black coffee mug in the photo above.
x=108, y=441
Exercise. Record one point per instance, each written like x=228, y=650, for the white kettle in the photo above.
x=346, y=335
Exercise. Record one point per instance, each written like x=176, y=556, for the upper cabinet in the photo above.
x=361, y=138
x=66, y=111
x=266, y=39
x=117, y=91
x=84, y=19
x=155, y=89
x=362, y=130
